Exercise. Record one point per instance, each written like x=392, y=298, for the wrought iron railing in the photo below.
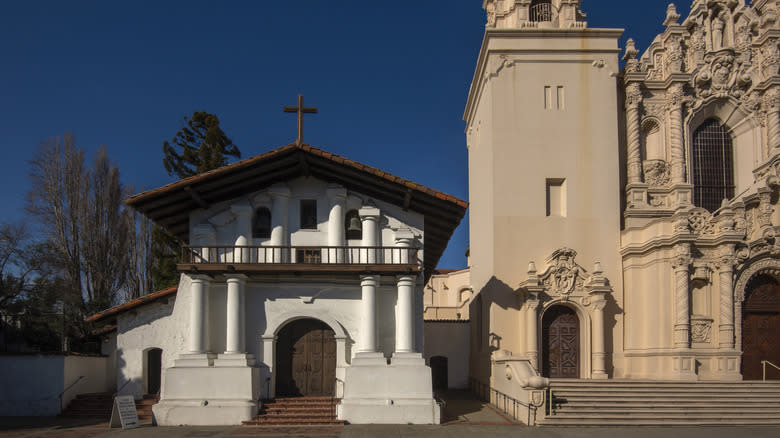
x=313, y=255
x=506, y=404
x=764, y=363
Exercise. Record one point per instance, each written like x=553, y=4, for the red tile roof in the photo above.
x=132, y=304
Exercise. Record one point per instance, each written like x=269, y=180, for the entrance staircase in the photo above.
x=99, y=405
x=656, y=403
x=297, y=410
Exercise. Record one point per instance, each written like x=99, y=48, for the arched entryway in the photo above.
x=561, y=343
x=305, y=359
x=761, y=328
x=439, y=372
x=153, y=370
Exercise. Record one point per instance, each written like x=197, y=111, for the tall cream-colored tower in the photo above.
x=542, y=131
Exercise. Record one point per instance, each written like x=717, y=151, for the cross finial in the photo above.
x=301, y=110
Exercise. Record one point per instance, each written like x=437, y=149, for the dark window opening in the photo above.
x=308, y=256
x=712, y=165
x=261, y=227
x=308, y=214
x=540, y=10
x=353, y=226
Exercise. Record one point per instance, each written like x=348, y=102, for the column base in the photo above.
x=369, y=358
x=407, y=359
x=235, y=360
x=208, y=396
x=389, y=394
x=194, y=360
x=728, y=367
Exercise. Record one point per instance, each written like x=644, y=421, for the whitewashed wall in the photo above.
x=30, y=385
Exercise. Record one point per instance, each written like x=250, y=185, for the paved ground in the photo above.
x=463, y=417
x=59, y=428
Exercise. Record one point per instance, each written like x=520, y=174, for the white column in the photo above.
x=368, y=284
x=682, y=326
x=598, y=369
x=243, y=213
x=369, y=216
x=532, y=340
x=403, y=240
x=336, y=233
x=674, y=103
x=280, y=197
x=726, y=317
x=236, y=289
x=404, y=316
x=633, y=133
x=199, y=287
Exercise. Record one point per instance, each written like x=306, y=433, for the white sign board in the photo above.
x=124, y=412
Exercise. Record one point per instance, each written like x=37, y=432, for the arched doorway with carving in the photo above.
x=761, y=327
x=305, y=359
x=561, y=343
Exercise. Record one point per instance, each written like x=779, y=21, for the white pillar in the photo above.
x=598, y=368
x=674, y=103
x=532, y=340
x=404, y=316
x=368, y=284
x=726, y=316
x=633, y=133
x=336, y=233
x=236, y=289
x=369, y=216
x=682, y=326
x=243, y=213
x=403, y=240
x=199, y=289
x=280, y=196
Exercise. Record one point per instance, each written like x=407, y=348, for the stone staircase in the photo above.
x=297, y=410
x=656, y=403
x=99, y=405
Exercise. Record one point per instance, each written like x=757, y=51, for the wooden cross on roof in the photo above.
x=301, y=110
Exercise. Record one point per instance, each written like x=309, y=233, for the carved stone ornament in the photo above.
x=701, y=329
x=562, y=276
x=657, y=173
x=769, y=266
x=700, y=222
x=722, y=76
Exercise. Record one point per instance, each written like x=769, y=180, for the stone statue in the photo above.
x=717, y=31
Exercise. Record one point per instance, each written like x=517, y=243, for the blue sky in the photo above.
x=390, y=80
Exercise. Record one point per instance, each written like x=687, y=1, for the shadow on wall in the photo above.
x=125, y=385
x=483, y=341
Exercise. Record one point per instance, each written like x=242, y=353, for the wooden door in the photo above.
x=153, y=370
x=761, y=329
x=306, y=359
x=561, y=343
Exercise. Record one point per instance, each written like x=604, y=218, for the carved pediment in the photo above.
x=563, y=275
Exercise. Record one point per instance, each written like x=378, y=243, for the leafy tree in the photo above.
x=202, y=146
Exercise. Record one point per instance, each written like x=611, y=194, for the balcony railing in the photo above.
x=194, y=256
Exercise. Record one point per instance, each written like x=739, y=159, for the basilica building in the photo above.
x=624, y=222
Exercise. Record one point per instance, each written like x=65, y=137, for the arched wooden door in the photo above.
x=761, y=328
x=561, y=343
x=306, y=359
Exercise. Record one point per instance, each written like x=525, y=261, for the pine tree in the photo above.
x=203, y=146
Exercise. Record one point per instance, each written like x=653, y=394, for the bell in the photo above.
x=354, y=224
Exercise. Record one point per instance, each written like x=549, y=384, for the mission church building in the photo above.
x=302, y=275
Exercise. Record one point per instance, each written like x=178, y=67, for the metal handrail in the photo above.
x=66, y=389
x=764, y=364
x=317, y=255
x=488, y=394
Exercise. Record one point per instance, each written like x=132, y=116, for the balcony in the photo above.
x=298, y=259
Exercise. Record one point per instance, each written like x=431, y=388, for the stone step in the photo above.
x=619, y=421
x=686, y=411
x=690, y=404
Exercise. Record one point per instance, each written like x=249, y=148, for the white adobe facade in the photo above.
x=623, y=223
x=293, y=286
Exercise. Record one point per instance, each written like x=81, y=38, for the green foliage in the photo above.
x=199, y=146
x=166, y=252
